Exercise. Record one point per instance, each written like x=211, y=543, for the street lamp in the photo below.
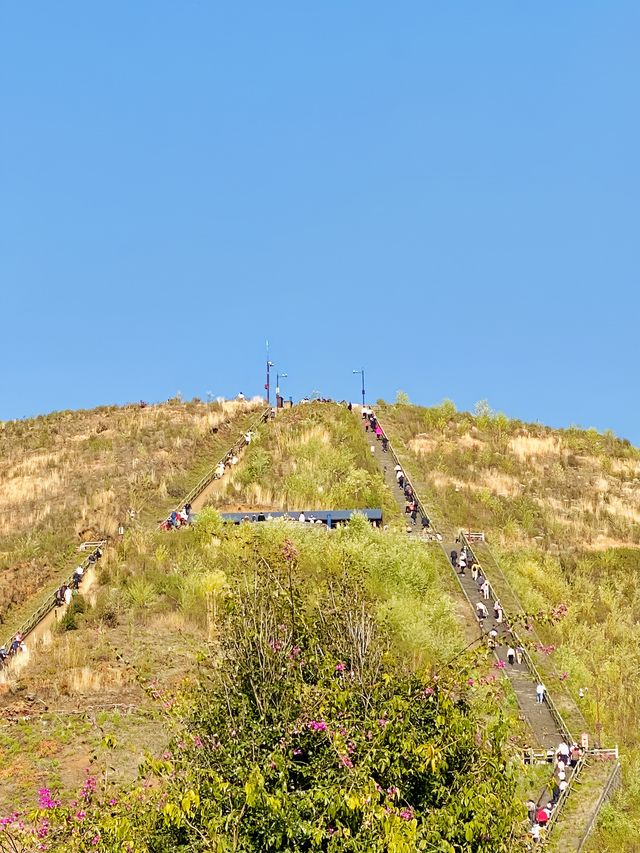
x=268, y=385
x=361, y=372
x=279, y=376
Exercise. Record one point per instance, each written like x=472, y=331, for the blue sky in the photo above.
x=444, y=193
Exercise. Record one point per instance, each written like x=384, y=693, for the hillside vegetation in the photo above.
x=527, y=483
x=320, y=715
x=313, y=456
x=283, y=687
x=561, y=511
x=72, y=476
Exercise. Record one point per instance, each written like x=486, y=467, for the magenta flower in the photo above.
x=46, y=800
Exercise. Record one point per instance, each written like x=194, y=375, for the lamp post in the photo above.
x=279, y=376
x=361, y=372
x=268, y=385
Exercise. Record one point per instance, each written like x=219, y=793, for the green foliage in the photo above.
x=306, y=731
x=314, y=456
x=76, y=608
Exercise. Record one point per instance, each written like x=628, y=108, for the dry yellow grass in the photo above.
x=422, y=444
x=72, y=476
x=532, y=448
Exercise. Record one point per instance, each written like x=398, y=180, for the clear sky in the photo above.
x=446, y=193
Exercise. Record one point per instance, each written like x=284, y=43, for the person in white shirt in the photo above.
x=481, y=610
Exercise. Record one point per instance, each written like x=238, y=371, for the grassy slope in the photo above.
x=71, y=476
x=561, y=509
x=314, y=456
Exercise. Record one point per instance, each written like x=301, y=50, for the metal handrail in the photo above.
x=555, y=713
x=407, y=479
x=210, y=476
x=611, y=786
x=45, y=608
x=564, y=796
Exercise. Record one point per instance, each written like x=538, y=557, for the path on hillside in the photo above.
x=574, y=817
x=544, y=728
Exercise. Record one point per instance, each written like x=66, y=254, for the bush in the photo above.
x=78, y=607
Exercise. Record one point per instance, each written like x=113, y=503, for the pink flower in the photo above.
x=346, y=761
x=499, y=664
x=341, y=667
x=197, y=741
x=471, y=682
x=382, y=723
x=80, y=814
x=46, y=800
x=406, y=814
x=317, y=725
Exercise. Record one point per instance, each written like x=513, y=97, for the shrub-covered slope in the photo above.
x=320, y=715
x=313, y=456
x=561, y=508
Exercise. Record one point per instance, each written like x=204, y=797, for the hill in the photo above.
x=175, y=638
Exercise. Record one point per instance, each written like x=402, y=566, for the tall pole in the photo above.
x=279, y=376
x=361, y=372
x=268, y=383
